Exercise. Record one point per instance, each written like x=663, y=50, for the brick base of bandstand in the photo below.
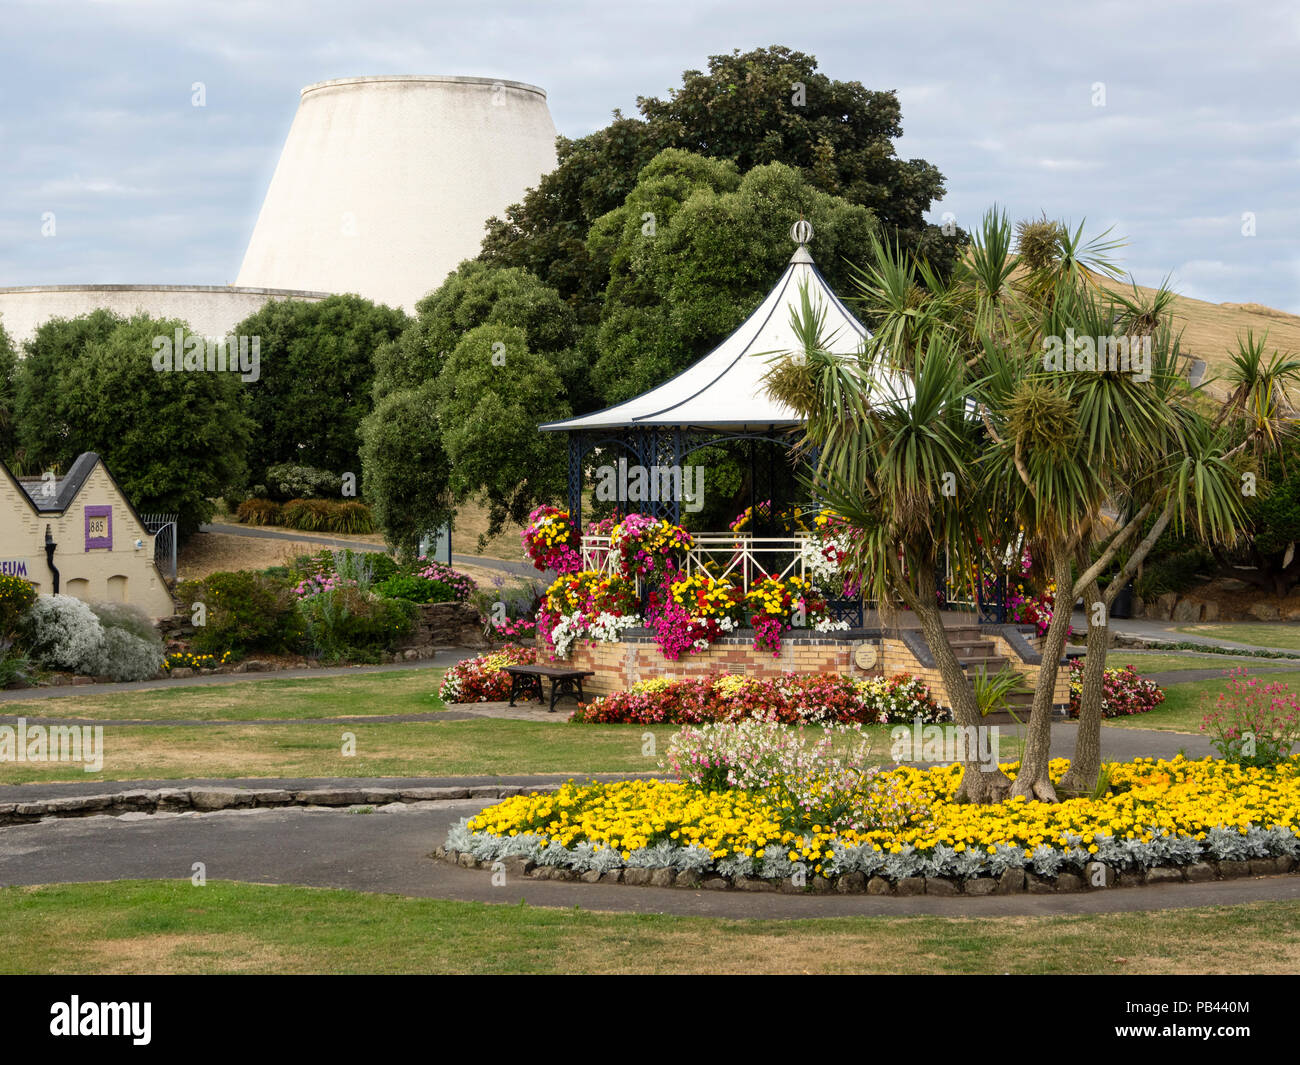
x=854, y=653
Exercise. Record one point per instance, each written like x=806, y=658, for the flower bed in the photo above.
x=1159, y=814
x=483, y=679
x=790, y=699
x=1124, y=692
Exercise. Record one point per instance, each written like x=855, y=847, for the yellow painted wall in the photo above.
x=124, y=572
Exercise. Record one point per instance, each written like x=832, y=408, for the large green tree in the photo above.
x=406, y=469
x=693, y=250
x=173, y=439
x=491, y=395
x=8, y=397
x=479, y=294
x=316, y=376
x=769, y=105
x=42, y=427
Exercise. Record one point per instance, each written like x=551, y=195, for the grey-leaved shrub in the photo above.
x=132, y=650
x=62, y=632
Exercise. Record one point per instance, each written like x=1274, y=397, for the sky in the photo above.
x=1176, y=124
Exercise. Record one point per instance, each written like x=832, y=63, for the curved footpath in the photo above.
x=389, y=851
x=524, y=570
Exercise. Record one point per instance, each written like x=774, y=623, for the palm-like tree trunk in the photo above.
x=1033, y=781
x=1085, y=766
x=977, y=785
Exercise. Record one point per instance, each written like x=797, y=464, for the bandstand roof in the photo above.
x=724, y=390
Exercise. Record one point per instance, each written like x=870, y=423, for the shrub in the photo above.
x=62, y=632
x=1124, y=692
x=258, y=512
x=1253, y=723
x=128, y=618
x=415, y=589
x=133, y=650
x=353, y=517
x=16, y=598
x=374, y=565
x=246, y=611
x=1179, y=570
x=327, y=515
x=287, y=481
x=127, y=657
x=483, y=679
x=310, y=515
x=517, y=600
x=346, y=622
x=14, y=665
x=462, y=587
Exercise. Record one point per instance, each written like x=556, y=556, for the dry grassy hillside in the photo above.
x=1210, y=330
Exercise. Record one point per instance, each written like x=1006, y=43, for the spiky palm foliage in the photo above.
x=1093, y=464
x=899, y=465
x=1260, y=402
x=903, y=301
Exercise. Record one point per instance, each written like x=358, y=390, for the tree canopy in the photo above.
x=315, y=380
x=748, y=109
x=173, y=440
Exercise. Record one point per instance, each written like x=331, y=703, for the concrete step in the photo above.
x=974, y=649
x=989, y=663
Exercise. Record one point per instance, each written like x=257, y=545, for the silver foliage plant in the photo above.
x=64, y=633
x=1221, y=844
x=105, y=639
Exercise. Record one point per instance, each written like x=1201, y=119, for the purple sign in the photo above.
x=99, y=527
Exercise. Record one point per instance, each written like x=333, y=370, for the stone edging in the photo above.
x=1012, y=882
x=207, y=800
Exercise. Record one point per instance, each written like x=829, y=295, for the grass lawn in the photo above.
x=235, y=748
x=482, y=747
x=1285, y=635
x=412, y=691
x=154, y=926
x=1148, y=662
x=1182, y=710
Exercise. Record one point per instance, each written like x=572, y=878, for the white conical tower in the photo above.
x=385, y=183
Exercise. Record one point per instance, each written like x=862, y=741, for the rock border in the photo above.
x=212, y=799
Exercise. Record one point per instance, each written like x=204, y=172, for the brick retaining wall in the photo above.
x=636, y=657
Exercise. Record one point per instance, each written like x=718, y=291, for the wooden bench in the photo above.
x=527, y=680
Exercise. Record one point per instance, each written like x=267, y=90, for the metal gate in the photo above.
x=163, y=529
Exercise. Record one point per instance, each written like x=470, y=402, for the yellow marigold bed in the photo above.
x=1158, y=813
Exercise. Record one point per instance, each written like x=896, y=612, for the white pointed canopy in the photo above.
x=724, y=390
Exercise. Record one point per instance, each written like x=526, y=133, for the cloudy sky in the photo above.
x=1177, y=123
